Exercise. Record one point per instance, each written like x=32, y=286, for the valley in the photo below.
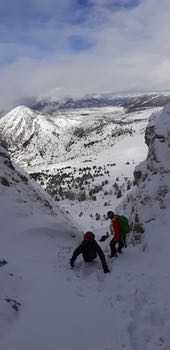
x=84, y=158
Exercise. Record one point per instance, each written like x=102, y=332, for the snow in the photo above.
x=83, y=308
x=37, y=140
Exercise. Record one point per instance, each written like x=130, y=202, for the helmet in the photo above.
x=89, y=236
x=110, y=214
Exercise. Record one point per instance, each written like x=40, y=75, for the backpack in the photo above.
x=124, y=226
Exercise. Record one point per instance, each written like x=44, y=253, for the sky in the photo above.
x=74, y=47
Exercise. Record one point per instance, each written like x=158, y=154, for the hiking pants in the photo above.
x=113, y=247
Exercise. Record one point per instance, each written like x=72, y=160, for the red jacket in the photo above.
x=115, y=229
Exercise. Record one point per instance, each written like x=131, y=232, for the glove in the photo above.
x=106, y=270
x=104, y=237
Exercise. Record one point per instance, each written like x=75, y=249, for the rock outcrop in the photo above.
x=151, y=195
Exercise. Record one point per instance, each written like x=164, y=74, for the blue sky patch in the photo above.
x=77, y=43
x=123, y=4
x=34, y=27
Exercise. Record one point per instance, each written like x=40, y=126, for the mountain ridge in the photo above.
x=131, y=102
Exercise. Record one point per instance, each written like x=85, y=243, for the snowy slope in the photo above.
x=27, y=216
x=30, y=136
x=83, y=308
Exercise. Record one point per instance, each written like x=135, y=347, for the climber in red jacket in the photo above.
x=115, y=232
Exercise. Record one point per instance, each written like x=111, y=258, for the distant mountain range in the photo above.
x=130, y=102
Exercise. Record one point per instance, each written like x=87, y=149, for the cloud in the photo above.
x=114, y=48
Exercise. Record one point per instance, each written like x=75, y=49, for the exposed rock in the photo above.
x=4, y=181
x=151, y=194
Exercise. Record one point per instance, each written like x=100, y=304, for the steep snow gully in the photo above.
x=81, y=308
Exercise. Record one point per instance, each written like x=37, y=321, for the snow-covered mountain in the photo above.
x=46, y=305
x=131, y=102
x=36, y=139
x=31, y=136
x=84, y=158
